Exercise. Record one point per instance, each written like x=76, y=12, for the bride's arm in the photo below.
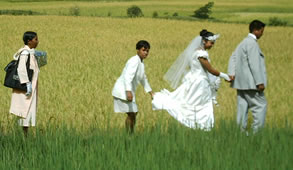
x=206, y=65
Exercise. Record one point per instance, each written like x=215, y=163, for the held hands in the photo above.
x=28, y=89
x=232, y=77
x=225, y=76
x=129, y=96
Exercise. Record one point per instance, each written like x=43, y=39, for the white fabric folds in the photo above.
x=191, y=103
x=181, y=66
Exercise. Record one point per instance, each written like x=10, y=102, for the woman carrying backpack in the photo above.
x=24, y=103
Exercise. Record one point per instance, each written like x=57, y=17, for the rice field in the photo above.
x=223, y=10
x=154, y=148
x=77, y=127
x=86, y=56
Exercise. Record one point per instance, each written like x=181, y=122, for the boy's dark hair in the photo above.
x=143, y=43
x=256, y=25
x=205, y=34
x=28, y=36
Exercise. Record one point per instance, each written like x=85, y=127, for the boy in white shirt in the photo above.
x=125, y=86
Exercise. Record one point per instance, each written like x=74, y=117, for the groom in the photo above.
x=247, y=67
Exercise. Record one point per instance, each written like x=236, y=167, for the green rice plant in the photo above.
x=176, y=147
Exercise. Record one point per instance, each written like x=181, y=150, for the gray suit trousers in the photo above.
x=257, y=103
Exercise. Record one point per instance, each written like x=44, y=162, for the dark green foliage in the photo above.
x=134, y=11
x=109, y=14
x=275, y=21
x=18, y=12
x=155, y=14
x=204, y=12
x=75, y=11
x=175, y=14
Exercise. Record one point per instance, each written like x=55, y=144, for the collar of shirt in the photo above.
x=31, y=50
x=139, y=58
x=252, y=35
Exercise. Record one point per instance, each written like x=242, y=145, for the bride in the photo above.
x=191, y=102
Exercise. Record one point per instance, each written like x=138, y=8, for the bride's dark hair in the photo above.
x=204, y=34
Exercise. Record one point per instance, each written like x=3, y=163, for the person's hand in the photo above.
x=152, y=94
x=28, y=89
x=129, y=96
x=232, y=77
x=260, y=87
x=225, y=76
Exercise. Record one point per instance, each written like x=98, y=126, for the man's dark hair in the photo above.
x=256, y=25
x=143, y=43
x=28, y=36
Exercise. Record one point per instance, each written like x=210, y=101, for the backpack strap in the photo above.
x=18, y=53
x=28, y=59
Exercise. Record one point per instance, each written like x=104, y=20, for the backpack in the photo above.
x=12, y=79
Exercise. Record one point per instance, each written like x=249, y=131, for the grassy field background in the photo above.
x=223, y=11
x=86, y=56
x=76, y=125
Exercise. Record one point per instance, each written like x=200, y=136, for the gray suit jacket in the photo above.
x=247, y=64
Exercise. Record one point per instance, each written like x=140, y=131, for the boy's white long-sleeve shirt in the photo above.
x=132, y=75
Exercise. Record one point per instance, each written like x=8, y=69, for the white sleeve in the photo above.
x=202, y=53
x=130, y=71
x=146, y=84
x=21, y=69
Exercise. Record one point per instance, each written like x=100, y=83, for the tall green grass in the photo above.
x=156, y=148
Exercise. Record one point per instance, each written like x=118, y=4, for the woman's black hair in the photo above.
x=256, y=25
x=143, y=43
x=28, y=36
x=205, y=34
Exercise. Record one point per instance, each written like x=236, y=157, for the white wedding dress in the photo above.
x=191, y=103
